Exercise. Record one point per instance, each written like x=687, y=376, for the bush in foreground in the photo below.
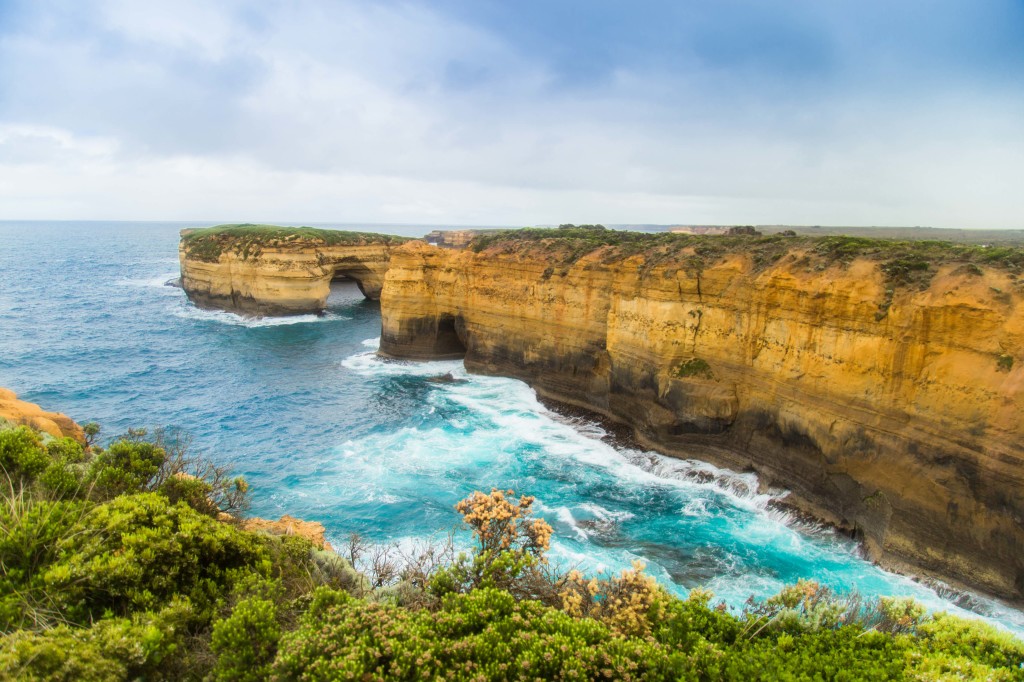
x=124, y=563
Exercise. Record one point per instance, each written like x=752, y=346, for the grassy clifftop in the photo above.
x=903, y=261
x=249, y=240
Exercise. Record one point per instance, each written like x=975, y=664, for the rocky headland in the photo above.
x=271, y=270
x=881, y=382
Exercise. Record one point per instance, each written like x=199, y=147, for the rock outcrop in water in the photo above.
x=883, y=384
x=269, y=270
x=18, y=413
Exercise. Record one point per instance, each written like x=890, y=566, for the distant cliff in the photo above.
x=882, y=383
x=270, y=270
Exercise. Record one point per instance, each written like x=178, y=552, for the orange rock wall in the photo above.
x=19, y=412
x=286, y=279
x=902, y=427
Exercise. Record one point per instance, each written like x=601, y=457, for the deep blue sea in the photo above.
x=326, y=431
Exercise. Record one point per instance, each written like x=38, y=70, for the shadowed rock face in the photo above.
x=896, y=416
x=289, y=276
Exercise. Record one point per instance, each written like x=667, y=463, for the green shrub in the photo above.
x=137, y=552
x=976, y=641
x=22, y=455
x=847, y=654
x=62, y=654
x=64, y=474
x=684, y=625
x=33, y=530
x=693, y=367
x=146, y=646
x=127, y=466
x=357, y=640
x=246, y=641
x=195, y=492
x=486, y=634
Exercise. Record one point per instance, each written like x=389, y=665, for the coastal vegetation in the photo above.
x=694, y=367
x=129, y=562
x=248, y=240
x=905, y=263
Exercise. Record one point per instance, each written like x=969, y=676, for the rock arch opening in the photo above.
x=369, y=281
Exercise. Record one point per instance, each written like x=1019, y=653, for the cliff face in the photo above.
x=278, y=273
x=19, y=412
x=894, y=413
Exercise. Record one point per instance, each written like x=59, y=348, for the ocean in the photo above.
x=325, y=430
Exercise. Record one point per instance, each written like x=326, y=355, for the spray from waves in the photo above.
x=611, y=505
x=189, y=312
x=164, y=282
x=371, y=364
x=512, y=406
x=534, y=423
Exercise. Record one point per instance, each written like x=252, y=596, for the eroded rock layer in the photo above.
x=893, y=412
x=265, y=270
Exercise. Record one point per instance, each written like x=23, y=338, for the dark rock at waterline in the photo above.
x=173, y=282
x=445, y=379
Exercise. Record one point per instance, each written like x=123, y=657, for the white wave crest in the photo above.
x=505, y=437
x=163, y=282
x=371, y=364
x=190, y=312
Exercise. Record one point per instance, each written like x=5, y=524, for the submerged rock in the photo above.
x=448, y=378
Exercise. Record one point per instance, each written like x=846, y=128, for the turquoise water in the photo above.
x=325, y=430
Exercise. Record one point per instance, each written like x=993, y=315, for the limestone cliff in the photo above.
x=269, y=270
x=18, y=413
x=883, y=386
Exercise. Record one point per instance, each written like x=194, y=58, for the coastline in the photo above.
x=622, y=435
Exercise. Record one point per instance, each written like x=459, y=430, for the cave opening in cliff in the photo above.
x=449, y=340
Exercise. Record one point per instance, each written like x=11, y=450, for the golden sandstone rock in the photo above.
x=894, y=414
x=266, y=270
x=19, y=412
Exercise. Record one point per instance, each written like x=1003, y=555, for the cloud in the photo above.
x=512, y=114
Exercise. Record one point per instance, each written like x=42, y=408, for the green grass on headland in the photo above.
x=904, y=262
x=249, y=240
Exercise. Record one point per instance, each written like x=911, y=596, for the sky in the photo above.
x=481, y=112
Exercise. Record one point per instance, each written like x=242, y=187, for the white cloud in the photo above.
x=351, y=112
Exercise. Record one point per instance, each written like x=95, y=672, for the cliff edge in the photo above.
x=271, y=270
x=21, y=413
x=882, y=383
